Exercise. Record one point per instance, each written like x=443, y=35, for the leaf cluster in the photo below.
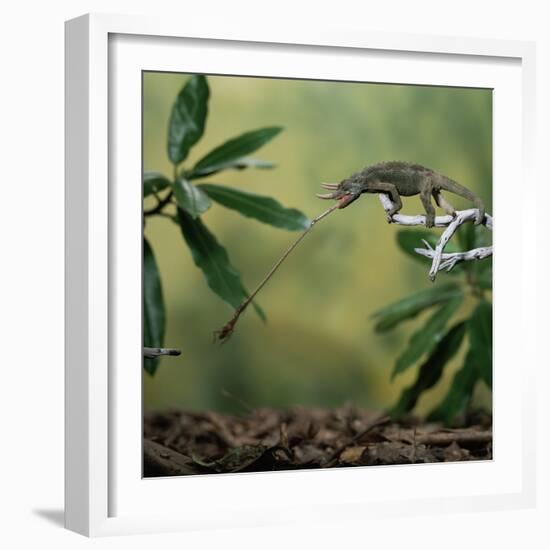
x=184, y=201
x=441, y=336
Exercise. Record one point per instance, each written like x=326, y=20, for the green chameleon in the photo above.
x=402, y=179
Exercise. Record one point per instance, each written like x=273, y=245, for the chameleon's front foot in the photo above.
x=390, y=214
x=430, y=220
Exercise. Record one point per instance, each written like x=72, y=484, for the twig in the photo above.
x=223, y=431
x=461, y=217
x=172, y=217
x=284, y=444
x=450, y=259
x=151, y=353
x=226, y=331
x=159, y=460
x=451, y=224
x=374, y=424
x=463, y=438
x=237, y=400
x=161, y=204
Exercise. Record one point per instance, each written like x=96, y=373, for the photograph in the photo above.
x=316, y=275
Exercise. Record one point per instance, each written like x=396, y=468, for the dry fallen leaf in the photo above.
x=352, y=455
x=272, y=439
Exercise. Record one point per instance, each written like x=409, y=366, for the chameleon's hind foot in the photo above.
x=480, y=216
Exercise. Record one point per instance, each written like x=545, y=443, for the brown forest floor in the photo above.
x=186, y=443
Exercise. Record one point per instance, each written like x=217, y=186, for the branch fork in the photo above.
x=442, y=260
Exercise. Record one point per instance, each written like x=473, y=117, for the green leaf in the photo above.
x=477, y=366
x=472, y=236
x=390, y=316
x=480, y=328
x=189, y=197
x=428, y=336
x=460, y=392
x=153, y=182
x=263, y=209
x=466, y=236
x=259, y=311
x=154, y=316
x=188, y=118
x=212, y=259
x=485, y=277
x=234, y=149
x=430, y=372
x=239, y=164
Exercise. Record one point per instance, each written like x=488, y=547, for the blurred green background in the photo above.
x=318, y=347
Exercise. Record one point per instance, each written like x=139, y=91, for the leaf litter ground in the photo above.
x=189, y=443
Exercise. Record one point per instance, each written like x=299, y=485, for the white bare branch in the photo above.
x=151, y=353
x=441, y=260
x=450, y=259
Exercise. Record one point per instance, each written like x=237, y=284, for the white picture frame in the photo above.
x=105, y=493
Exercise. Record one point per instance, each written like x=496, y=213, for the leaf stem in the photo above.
x=227, y=330
x=158, y=208
x=172, y=217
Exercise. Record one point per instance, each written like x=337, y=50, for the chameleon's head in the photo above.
x=344, y=192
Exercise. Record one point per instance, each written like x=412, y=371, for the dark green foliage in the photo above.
x=481, y=340
x=239, y=164
x=485, y=277
x=434, y=340
x=480, y=273
x=431, y=370
x=212, y=259
x=460, y=392
x=427, y=336
x=478, y=365
x=184, y=202
x=154, y=317
x=394, y=314
x=153, y=182
x=230, y=154
x=191, y=198
x=188, y=118
x=264, y=209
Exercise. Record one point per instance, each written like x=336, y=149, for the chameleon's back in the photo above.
x=406, y=176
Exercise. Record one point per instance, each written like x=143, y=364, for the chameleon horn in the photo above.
x=326, y=196
x=330, y=186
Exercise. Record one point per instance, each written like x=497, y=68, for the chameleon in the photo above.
x=402, y=179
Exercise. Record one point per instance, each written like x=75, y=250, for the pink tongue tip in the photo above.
x=345, y=200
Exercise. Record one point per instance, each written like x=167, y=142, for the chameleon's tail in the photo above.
x=454, y=187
